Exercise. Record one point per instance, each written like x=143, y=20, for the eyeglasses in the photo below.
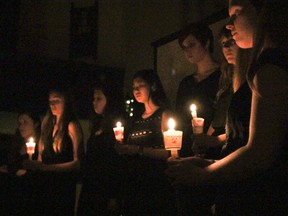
x=228, y=43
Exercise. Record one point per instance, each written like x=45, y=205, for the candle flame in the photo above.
x=193, y=108
x=118, y=124
x=31, y=140
x=171, y=124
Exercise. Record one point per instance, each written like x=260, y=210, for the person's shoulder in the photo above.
x=271, y=80
x=274, y=56
x=74, y=126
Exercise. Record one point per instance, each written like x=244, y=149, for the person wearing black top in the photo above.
x=61, y=149
x=147, y=189
x=101, y=185
x=201, y=87
x=231, y=121
x=16, y=195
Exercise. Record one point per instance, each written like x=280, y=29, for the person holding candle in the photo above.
x=232, y=107
x=100, y=194
x=16, y=195
x=60, y=152
x=29, y=126
x=254, y=177
x=172, y=138
x=148, y=191
x=200, y=88
x=119, y=132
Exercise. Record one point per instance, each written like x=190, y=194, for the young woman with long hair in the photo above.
x=147, y=190
x=60, y=152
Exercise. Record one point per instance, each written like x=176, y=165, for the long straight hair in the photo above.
x=272, y=31
x=50, y=120
x=226, y=68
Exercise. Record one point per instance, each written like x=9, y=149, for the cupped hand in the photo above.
x=188, y=171
x=21, y=172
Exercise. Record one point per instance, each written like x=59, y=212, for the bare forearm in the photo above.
x=241, y=164
x=61, y=167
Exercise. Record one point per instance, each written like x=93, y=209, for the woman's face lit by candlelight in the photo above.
x=141, y=90
x=99, y=101
x=229, y=49
x=56, y=103
x=242, y=22
x=26, y=126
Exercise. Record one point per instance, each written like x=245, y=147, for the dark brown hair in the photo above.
x=201, y=32
x=157, y=92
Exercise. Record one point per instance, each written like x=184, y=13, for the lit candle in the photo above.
x=193, y=111
x=198, y=125
x=30, y=147
x=119, y=132
x=172, y=138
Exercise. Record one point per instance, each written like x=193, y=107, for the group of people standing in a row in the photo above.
x=243, y=168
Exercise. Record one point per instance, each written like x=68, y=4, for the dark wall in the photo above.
x=9, y=16
x=24, y=84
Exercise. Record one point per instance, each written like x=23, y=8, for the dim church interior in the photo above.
x=31, y=77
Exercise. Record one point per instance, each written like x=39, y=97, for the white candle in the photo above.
x=30, y=147
x=193, y=111
x=119, y=132
x=198, y=125
x=172, y=138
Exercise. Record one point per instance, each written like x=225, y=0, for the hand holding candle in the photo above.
x=119, y=132
x=30, y=147
x=197, y=125
x=172, y=138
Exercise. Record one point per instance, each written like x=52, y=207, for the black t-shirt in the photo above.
x=147, y=132
x=203, y=95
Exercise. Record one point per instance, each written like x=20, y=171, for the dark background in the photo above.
x=24, y=84
x=26, y=80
